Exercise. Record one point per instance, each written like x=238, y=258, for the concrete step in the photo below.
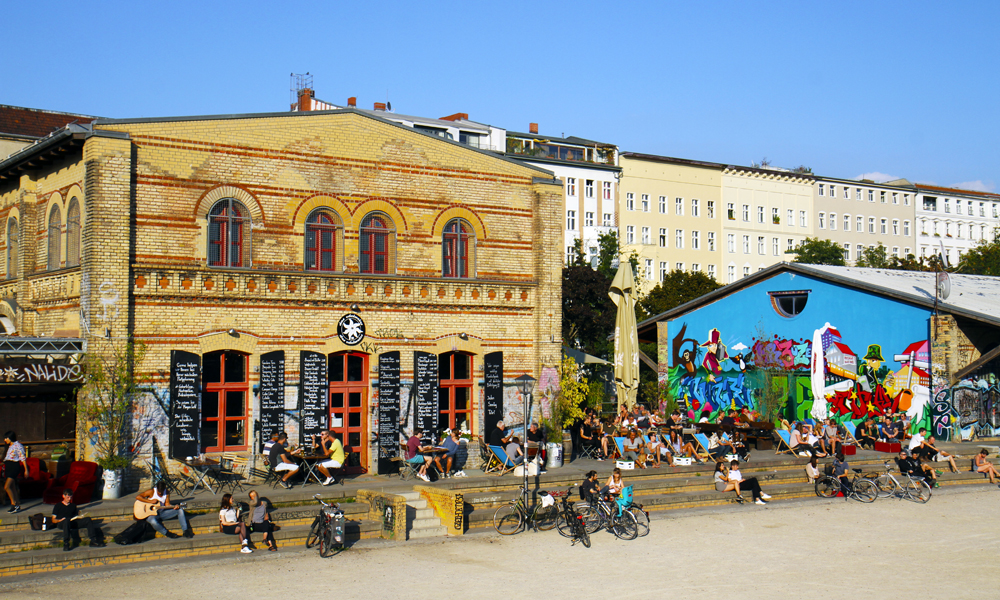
x=423, y=513
x=411, y=496
x=439, y=531
x=425, y=523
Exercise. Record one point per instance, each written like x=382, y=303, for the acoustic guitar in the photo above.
x=141, y=509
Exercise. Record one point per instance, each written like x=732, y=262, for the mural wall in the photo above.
x=831, y=350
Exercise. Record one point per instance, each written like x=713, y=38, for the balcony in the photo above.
x=600, y=155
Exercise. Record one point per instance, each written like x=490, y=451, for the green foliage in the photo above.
x=588, y=312
x=676, y=289
x=874, y=257
x=610, y=249
x=984, y=259
x=595, y=395
x=815, y=251
x=573, y=392
x=106, y=401
x=768, y=368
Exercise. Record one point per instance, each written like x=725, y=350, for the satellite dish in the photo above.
x=943, y=285
x=944, y=255
x=388, y=105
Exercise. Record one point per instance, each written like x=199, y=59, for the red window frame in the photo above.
x=374, y=233
x=455, y=249
x=222, y=388
x=225, y=233
x=318, y=224
x=447, y=391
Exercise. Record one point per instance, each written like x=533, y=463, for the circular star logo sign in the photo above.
x=351, y=329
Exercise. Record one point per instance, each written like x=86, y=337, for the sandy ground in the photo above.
x=804, y=549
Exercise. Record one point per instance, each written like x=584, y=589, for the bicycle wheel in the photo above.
x=865, y=490
x=314, y=531
x=625, y=527
x=592, y=517
x=918, y=491
x=507, y=520
x=546, y=517
x=827, y=487
x=641, y=519
x=566, y=523
x=326, y=542
x=886, y=486
x=581, y=533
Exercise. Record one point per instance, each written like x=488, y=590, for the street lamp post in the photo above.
x=525, y=383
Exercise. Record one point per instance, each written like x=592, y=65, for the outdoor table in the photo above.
x=309, y=463
x=205, y=471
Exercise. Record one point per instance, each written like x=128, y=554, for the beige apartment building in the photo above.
x=863, y=214
x=670, y=214
x=766, y=212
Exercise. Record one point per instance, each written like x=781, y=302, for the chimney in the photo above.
x=456, y=117
x=533, y=128
x=352, y=102
x=305, y=99
x=380, y=106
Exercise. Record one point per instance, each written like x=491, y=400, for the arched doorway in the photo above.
x=348, y=375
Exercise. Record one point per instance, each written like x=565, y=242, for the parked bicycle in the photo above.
x=515, y=516
x=861, y=489
x=606, y=513
x=914, y=488
x=571, y=523
x=327, y=529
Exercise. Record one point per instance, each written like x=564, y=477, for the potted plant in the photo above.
x=105, y=408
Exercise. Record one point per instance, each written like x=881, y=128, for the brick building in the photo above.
x=220, y=240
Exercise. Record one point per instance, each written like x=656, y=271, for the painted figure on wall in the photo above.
x=715, y=354
x=871, y=373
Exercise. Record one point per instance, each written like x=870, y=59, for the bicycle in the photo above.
x=327, y=528
x=571, y=523
x=514, y=517
x=606, y=513
x=862, y=489
x=915, y=489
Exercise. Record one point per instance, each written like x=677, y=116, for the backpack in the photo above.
x=828, y=469
x=133, y=534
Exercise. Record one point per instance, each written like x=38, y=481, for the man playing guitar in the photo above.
x=154, y=505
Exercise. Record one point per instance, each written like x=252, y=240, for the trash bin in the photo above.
x=554, y=459
x=112, y=485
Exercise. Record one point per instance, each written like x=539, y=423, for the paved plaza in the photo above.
x=809, y=548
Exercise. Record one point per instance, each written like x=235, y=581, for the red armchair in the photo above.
x=81, y=479
x=37, y=481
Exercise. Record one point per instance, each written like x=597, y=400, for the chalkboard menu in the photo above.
x=425, y=379
x=388, y=412
x=185, y=404
x=272, y=394
x=312, y=394
x=492, y=391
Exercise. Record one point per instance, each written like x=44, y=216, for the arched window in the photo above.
x=55, y=233
x=378, y=240
x=229, y=228
x=455, y=382
x=73, y=233
x=324, y=239
x=12, y=247
x=457, y=248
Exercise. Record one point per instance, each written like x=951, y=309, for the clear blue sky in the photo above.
x=907, y=89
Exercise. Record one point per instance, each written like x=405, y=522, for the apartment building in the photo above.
x=766, y=213
x=589, y=171
x=952, y=221
x=862, y=214
x=669, y=214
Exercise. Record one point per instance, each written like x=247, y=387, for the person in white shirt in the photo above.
x=917, y=440
x=735, y=477
x=229, y=522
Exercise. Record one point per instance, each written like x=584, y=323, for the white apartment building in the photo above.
x=952, y=220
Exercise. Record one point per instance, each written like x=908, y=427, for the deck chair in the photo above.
x=504, y=464
x=784, y=439
x=703, y=442
x=619, y=448
x=851, y=429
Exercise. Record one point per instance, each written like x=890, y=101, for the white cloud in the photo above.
x=976, y=186
x=877, y=177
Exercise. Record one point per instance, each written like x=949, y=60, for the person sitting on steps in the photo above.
x=984, y=466
x=66, y=516
x=230, y=523
x=159, y=495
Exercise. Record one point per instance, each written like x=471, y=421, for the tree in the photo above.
x=588, y=312
x=609, y=250
x=677, y=288
x=984, y=259
x=107, y=401
x=874, y=257
x=815, y=251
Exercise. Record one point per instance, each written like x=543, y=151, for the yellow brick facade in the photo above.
x=147, y=187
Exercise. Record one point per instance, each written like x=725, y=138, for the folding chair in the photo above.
x=784, y=439
x=703, y=442
x=407, y=470
x=504, y=464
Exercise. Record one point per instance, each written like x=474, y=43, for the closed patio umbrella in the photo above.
x=623, y=294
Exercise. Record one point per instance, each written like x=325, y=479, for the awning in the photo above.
x=582, y=357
